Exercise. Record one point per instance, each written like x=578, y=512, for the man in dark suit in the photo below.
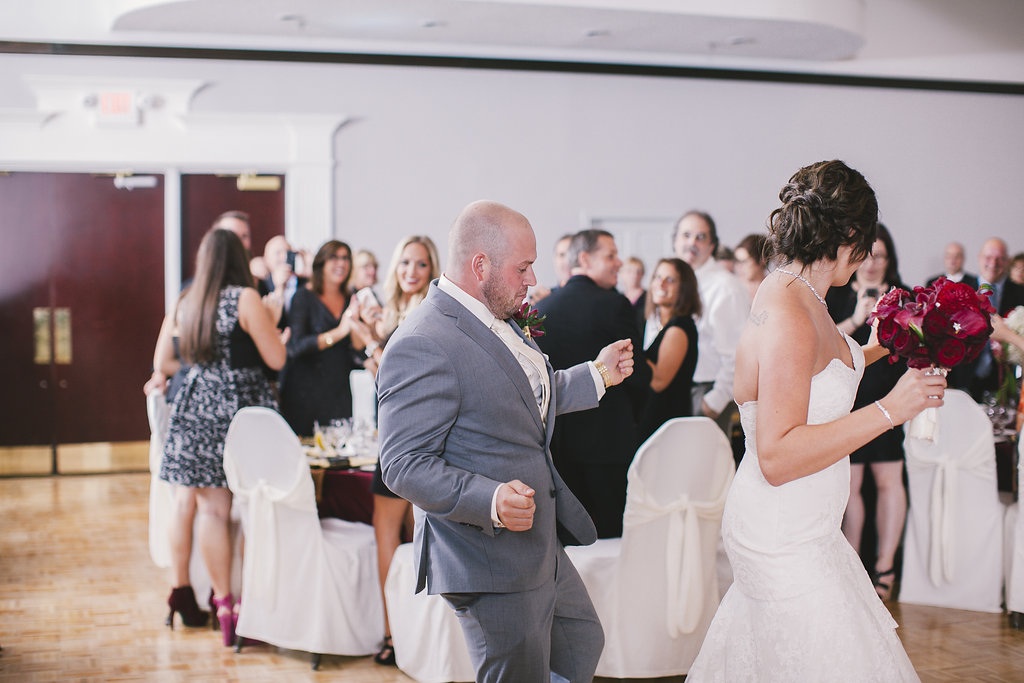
x=953, y=262
x=1006, y=295
x=467, y=405
x=593, y=449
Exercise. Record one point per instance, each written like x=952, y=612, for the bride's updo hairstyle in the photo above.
x=825, y=206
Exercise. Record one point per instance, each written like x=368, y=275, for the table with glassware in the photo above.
x=1005, y=431
x=342, y=457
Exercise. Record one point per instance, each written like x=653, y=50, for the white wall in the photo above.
x=422, y=142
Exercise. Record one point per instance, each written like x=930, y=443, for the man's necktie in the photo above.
x=531, y=360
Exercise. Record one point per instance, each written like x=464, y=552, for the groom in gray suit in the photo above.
x=467, y=405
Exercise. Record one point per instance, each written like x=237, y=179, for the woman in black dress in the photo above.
x=672, y=301
x=850, y=307
x=315, y=383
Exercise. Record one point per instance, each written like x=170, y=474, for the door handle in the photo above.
x=43, y=384
x=43, y=354
x=62, y=335
x=63, y=384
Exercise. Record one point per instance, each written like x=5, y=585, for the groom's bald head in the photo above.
x=483, y=242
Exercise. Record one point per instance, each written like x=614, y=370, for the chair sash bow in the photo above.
x=977, y=460
x=683, y=571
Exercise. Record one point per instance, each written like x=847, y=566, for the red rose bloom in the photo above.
x=950, y=352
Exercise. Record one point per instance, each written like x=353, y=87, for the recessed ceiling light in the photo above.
x=297, y=19
x=732, y=41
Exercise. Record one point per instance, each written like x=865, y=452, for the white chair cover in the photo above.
x=161, y=497
x=428, y=640
x=307, y=586
x=656, y=588
x=1015, y=545
x=364, y=395
x=953, y=552
x=161, y=510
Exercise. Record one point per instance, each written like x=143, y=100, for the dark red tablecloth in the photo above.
x=344, y=494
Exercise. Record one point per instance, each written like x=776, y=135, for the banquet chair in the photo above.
x=307, y=584
x=656, y=588
x=428, y=640
x=364, y=395
x=161, y=509
x=953, y=550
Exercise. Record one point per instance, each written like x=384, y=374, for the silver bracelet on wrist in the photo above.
x=892, y=425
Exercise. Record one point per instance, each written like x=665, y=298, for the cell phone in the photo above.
x=872, y=292
x=367, y=298
x=290, y=258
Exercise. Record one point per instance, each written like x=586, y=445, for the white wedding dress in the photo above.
x=801, y=607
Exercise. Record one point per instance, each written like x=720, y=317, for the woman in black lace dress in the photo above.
x=227, y=338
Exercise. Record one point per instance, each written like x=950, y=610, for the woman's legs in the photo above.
x=180, y=530
x=891, y=514
x=853, y=520
x=214, y=536
x=389, y=517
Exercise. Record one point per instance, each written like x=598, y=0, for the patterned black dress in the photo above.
x=209, y=397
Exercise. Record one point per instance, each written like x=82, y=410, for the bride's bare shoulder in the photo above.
x=778, y=331
x=772, y=308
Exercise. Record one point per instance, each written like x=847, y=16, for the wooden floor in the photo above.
x=80, y=600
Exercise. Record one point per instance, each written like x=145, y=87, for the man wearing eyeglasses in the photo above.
x=726, y=305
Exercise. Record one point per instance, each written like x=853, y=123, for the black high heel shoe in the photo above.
x=884, y=588
x=215, y=623
x=386, y=656
x=183, y=601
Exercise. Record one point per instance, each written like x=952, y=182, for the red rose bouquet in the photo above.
x=939, y=327
x=942, y=325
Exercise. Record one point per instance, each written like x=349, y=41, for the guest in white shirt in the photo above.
x=726, y=306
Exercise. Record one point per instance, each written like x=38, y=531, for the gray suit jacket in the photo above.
x=457, y=418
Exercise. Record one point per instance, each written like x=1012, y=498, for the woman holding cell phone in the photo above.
x=850, y=307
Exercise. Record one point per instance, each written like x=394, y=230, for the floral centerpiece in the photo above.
x=935, y=327
x=1015, y=321
x=530, y=321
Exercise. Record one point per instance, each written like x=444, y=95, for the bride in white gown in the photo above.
x=802, y=607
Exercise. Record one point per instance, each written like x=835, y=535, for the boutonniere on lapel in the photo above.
x=530, y=321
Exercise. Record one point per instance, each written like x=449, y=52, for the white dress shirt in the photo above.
x=726, y=306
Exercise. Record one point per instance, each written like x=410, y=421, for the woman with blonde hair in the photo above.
x=414, y=265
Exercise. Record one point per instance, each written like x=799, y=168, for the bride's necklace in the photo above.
x=807, y=282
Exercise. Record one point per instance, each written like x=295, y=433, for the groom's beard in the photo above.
x=502, y=303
